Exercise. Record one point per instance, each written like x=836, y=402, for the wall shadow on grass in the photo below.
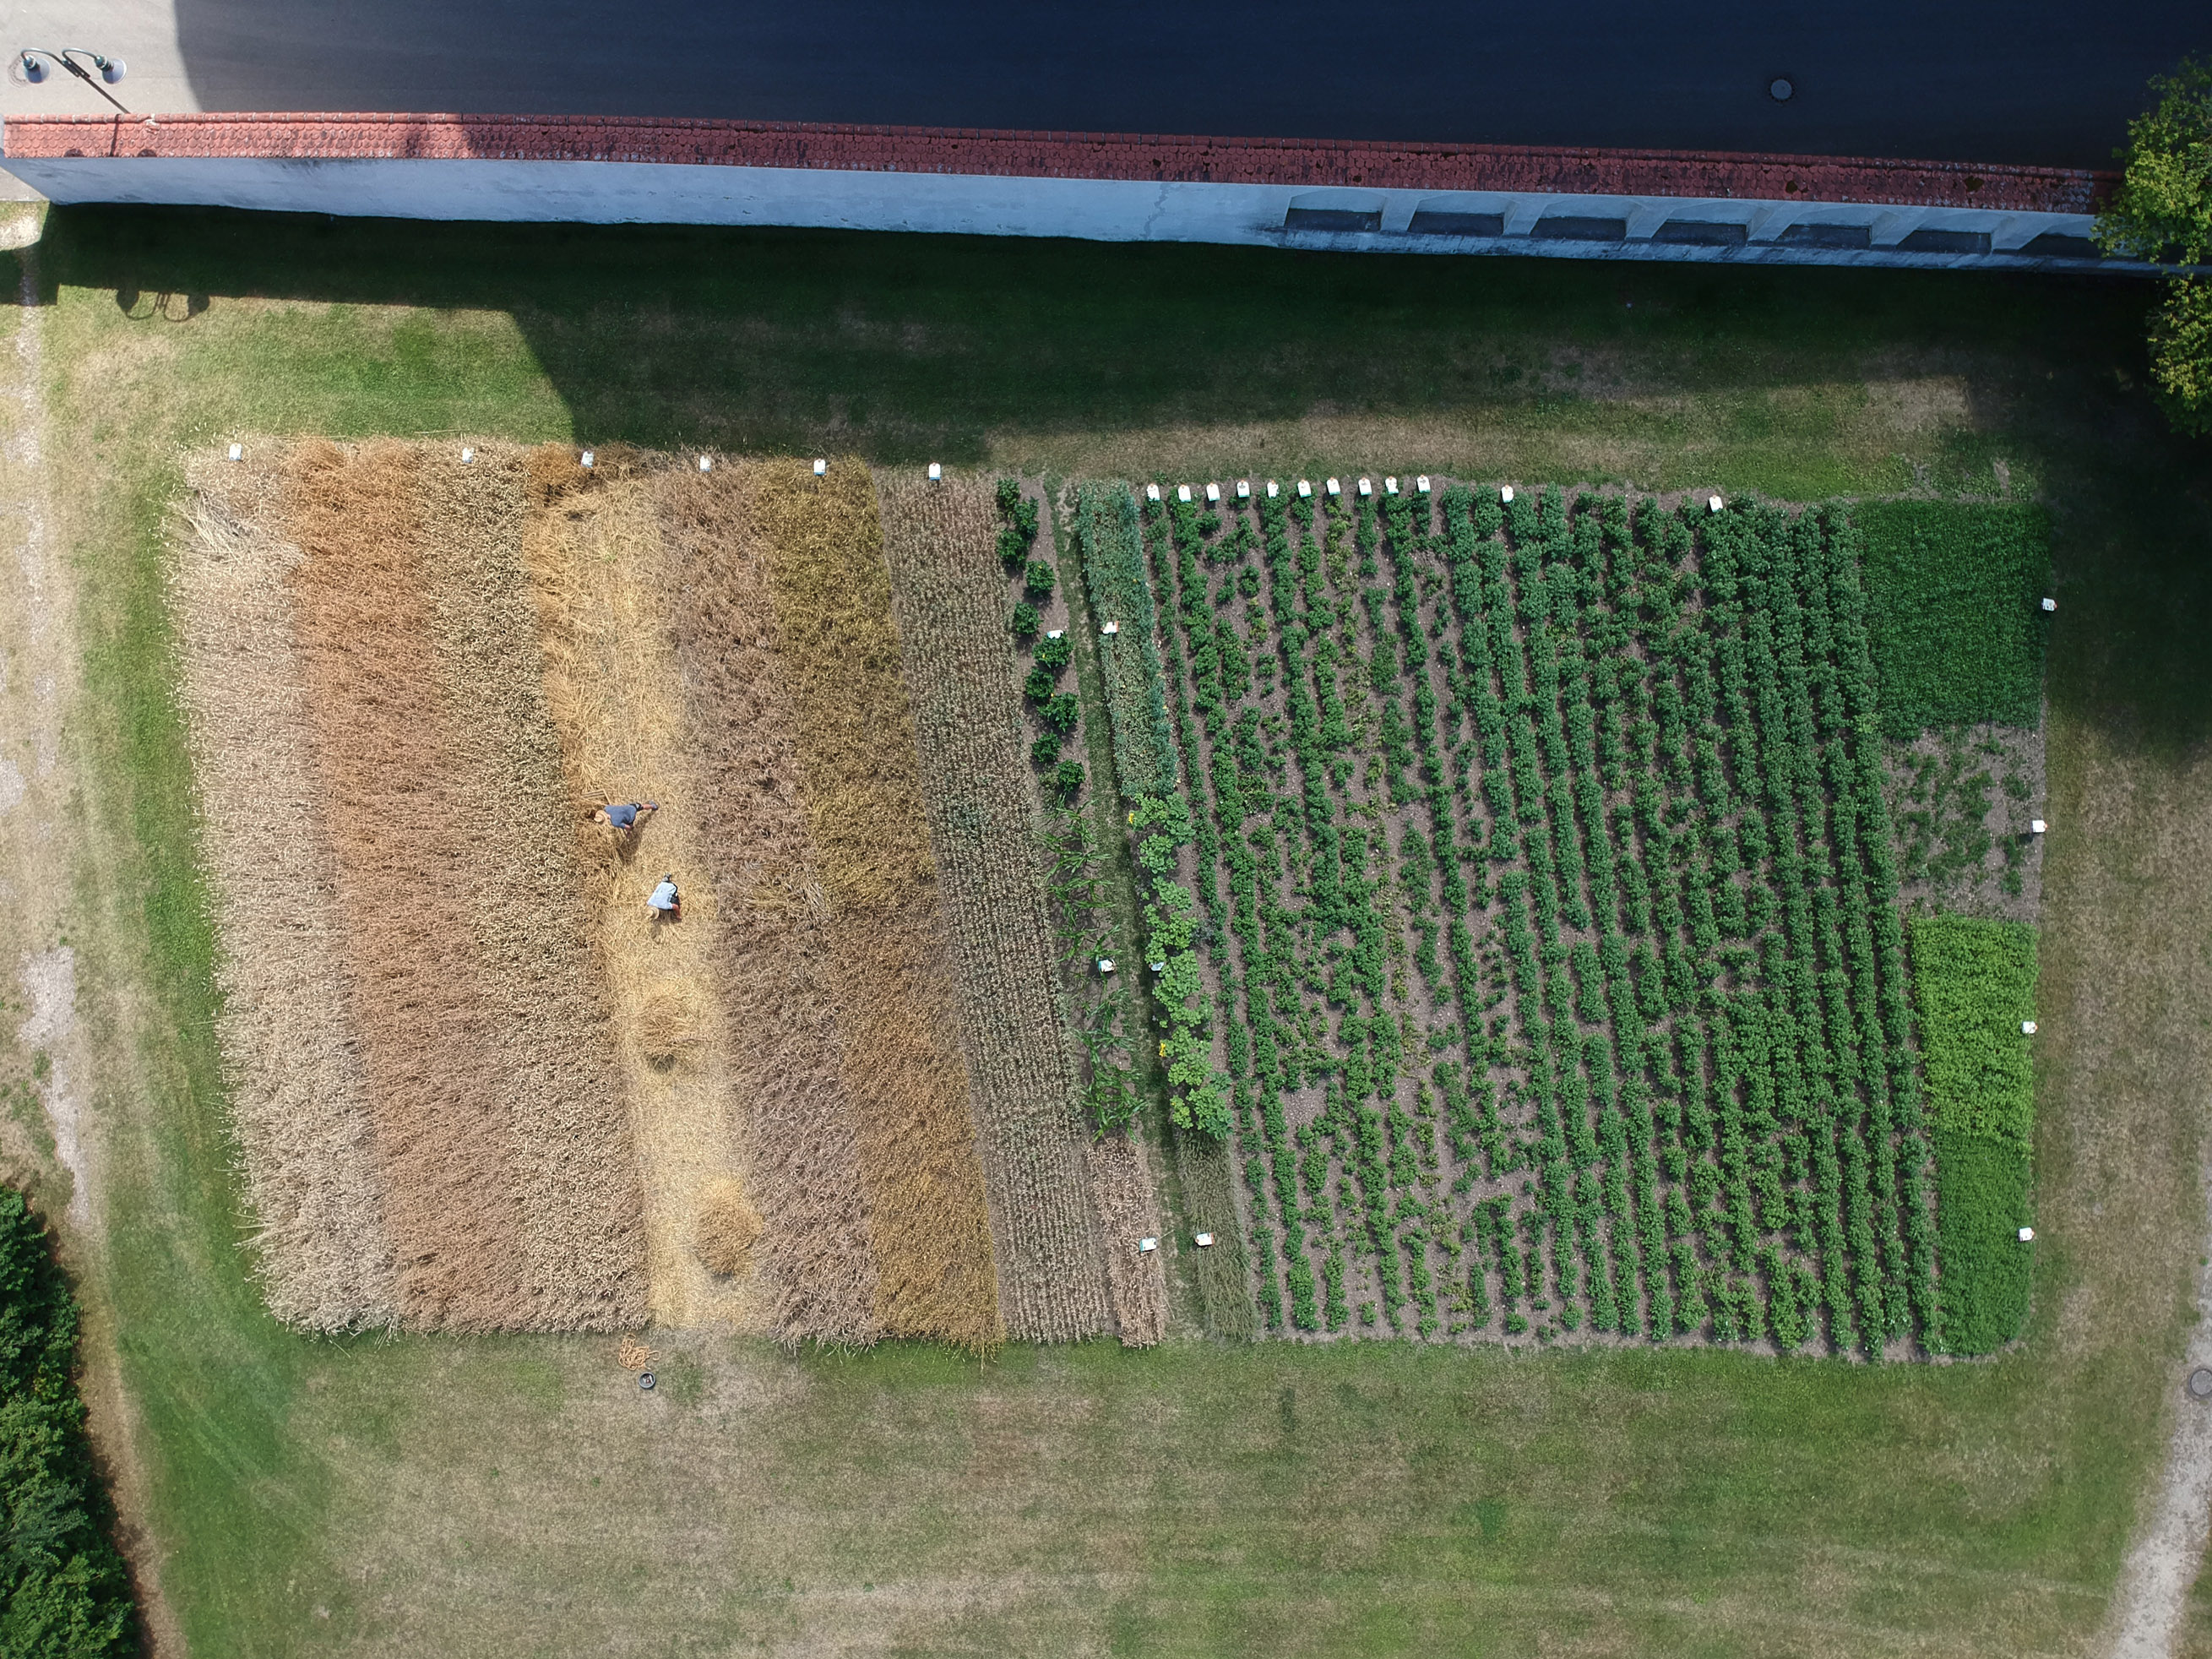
x=907, y=347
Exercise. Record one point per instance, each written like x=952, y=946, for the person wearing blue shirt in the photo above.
x=624, y=818
x=665, y=901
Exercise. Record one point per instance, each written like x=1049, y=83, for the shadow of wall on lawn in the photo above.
x=905, y=348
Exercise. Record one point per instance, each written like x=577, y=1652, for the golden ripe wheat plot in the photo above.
x=479, y=1084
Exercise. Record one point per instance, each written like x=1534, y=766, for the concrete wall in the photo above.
x=1405, y=220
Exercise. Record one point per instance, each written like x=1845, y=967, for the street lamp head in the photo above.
x=35, y=69
x=111, y=69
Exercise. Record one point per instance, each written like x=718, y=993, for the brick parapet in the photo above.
x=1305, y=163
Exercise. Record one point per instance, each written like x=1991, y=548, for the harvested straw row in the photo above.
x=1052, y=1282
x=1129, y=1211
x=459, y=1066
x=600, y=573
x=768, y=950
x=289, y=1055
x=551, y=1040
x=890, y=961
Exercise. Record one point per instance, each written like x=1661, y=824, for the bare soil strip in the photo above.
x=1047, y=1192
x=604, y=589
x=768, y=949
x=551, y=1040
x=890, y=957
x=295, y=1074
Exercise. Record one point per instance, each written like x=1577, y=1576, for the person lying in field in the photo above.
x=666, y=901
x=627, y=815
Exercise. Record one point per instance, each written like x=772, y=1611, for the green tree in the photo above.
x=2162, y=211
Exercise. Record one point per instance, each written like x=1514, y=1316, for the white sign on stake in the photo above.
x=1243, y=489
x=1145, y=1246
x=1271, y=489
x=936, y=472
x=587, y=458
x=238, y=452
x=1712, y=503
x=1151, y=492
x=707, y=463
x=468, y=454
x=1365, y=488
x=1389, y=486
x=1213, y=492
x=1506, y=494
x=1335, y=488
x=1305, y=488
x=1421, y=483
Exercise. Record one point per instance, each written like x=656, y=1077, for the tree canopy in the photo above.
x=2162, y=211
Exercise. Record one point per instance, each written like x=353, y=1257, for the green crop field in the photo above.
x=284, y=1494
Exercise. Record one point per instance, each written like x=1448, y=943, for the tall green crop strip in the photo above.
x=1555, y=945
x=1975, y=983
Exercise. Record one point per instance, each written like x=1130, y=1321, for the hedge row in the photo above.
x=62, y=1587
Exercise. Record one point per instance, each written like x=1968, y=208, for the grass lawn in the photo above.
x=521, y=1495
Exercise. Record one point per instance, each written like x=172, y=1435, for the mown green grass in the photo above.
x=519, y=1496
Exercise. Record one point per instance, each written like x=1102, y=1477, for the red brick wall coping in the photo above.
x=1303, y=162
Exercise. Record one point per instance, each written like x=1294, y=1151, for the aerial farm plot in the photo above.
x=477, y=1084
x=1487, y=903
x=1522, y=905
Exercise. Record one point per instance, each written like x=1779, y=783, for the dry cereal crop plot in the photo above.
x=769, y=952
x=600, y=573
x=288, y=1046
x=890, y=961
x=939, y=540
x=510, y=1189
